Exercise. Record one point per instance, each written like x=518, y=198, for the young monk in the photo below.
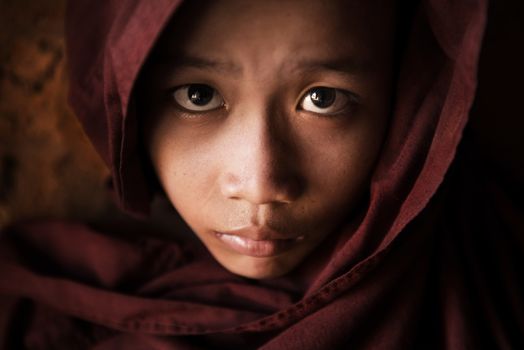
x=263, y=128
x=312, y=147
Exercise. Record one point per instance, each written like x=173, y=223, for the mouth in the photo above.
x=257, y=242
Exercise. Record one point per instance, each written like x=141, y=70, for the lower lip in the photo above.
x=259, y=249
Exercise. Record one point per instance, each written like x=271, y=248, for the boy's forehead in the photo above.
x=313, y=33
x=284, y=18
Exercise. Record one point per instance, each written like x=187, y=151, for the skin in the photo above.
x=263, y=157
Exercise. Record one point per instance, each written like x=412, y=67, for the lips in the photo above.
x=257, y=242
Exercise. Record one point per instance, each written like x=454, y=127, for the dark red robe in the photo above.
x=435, y=263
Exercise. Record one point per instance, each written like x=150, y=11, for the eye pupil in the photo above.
x=322, y=97
x=200, y=94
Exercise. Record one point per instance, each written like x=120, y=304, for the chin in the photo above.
x=258, y=268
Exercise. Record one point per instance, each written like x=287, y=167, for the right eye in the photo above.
x=325, y=100
x=197, y=97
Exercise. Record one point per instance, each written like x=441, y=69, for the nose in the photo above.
x=263, y=166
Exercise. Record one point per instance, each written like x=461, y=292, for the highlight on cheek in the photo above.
x=327, y=101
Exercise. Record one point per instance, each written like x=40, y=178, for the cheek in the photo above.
x=184, y=168
x=340, y=163
x=187, y=177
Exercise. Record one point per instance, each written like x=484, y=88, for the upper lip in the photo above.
x=258, y=233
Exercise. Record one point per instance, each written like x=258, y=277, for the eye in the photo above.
x=324, y=100
x=198, y=97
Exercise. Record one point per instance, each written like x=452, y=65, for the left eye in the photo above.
x=324, y=100
x=198, y=97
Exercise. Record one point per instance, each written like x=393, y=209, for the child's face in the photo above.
x=265, y=120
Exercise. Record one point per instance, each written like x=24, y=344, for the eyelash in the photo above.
x=183, y=92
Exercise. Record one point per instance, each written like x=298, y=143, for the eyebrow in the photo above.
x=345, y=65
x=188, y=61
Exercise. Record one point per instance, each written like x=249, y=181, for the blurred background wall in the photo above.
x=49, y=169
x=47, y=166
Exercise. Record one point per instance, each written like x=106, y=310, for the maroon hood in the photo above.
x=435, y=90
x=412, y=274
x=108, y=47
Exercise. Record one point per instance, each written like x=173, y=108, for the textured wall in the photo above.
x=47, y=166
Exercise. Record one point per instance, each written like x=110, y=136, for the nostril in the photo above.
x=230, y=186
x=259, y=190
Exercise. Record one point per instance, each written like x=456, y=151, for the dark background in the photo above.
x=47, y=166
x=49, y=169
